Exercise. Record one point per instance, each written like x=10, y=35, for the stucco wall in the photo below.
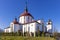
x=8, y=30
x=16, y=27
x=49, y=28
x=29, y=27
x=25, y=19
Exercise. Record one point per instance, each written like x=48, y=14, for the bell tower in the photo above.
x=49, y=26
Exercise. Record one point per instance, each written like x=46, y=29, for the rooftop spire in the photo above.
x=26, y=9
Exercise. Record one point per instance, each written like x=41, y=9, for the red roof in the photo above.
x=15, y=21
x=26, y=13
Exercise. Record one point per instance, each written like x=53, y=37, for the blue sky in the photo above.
x=46, y=9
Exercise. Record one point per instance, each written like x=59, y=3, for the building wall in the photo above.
x=20, y=26
x=49, y=28
x=25, y=19
x=16, y=27
x=21, y=19
x=12, y=27
x=32, y=27
x=38, y=27
x=8, y=30
x=29, y=27
x=30, y=19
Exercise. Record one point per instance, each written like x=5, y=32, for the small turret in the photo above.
x=49, y=22
x=49, y=26
x=15, y=21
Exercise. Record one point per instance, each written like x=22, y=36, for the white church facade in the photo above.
x=27, y=23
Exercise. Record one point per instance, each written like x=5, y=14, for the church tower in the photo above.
x=49, y=26
x=25, y=17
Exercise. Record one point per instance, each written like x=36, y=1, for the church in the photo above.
x=27, y=23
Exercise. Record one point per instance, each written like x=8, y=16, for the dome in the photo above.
x=49, y=21
x=15, y=21
x=25, y=13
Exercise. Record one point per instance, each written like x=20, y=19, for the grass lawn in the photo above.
x=24, y=38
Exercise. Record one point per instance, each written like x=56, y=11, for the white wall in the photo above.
x=20, y=26
x=25, y=18
x=49, y=28
x=12, y=27
x=30, y=19
x=16, y=27
x=21, y=19
x=8, y=30
x=29, y=27
x=32, y=27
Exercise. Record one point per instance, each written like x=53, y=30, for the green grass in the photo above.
x=24, y=38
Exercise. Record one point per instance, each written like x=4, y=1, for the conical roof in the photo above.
x=15, y=21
